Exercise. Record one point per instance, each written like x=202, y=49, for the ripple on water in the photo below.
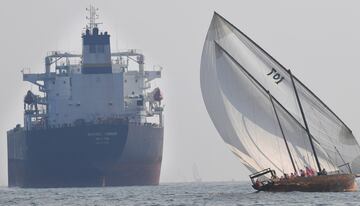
x=227, y=193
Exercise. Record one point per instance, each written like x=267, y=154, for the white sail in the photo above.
x=235, y=75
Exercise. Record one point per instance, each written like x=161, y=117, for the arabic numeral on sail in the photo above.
x=272, y=71
x=282, y=78
x=275, y=75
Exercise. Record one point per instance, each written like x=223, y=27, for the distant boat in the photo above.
x=270, y=120
x=196, y=175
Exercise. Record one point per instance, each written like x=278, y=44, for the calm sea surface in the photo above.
x=228, y=193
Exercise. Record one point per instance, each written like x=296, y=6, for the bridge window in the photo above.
x=100, y=49
x=92, y=48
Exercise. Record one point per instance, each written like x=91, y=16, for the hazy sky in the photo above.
x=319, y=41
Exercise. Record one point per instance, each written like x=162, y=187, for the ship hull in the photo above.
x=322, y=183
x=120, y=154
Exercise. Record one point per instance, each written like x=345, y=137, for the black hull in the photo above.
x=85, y=156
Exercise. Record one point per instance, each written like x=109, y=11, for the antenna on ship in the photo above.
x=93, y=16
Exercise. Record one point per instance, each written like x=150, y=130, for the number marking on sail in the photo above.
x=275, y=75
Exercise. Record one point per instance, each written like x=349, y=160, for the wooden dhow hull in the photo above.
x=322, y=183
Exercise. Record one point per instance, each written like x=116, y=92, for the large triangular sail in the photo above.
x=242, y=111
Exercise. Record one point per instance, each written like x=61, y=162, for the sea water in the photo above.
x=216, y=193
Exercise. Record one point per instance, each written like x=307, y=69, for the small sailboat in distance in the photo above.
x=271, y=121
x=196, y=174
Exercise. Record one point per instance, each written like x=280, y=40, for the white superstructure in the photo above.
x=95, y=86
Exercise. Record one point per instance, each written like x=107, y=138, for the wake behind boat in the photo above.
x=270, y=120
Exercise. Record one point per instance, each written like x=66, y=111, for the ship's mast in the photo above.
x=93, y=16
x=282, y=132
x=305, y=122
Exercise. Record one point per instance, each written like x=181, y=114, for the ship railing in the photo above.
x=35, y=78
x=35, y=113
x=136, y=119
x=62, y=54
x=147, y=124
x=127, y=52
x=157, y=68
x=261, y=178
x=41, y=124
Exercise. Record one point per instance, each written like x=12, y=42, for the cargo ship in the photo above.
x=95, y=120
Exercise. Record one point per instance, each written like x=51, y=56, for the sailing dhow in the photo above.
x=270, y=120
